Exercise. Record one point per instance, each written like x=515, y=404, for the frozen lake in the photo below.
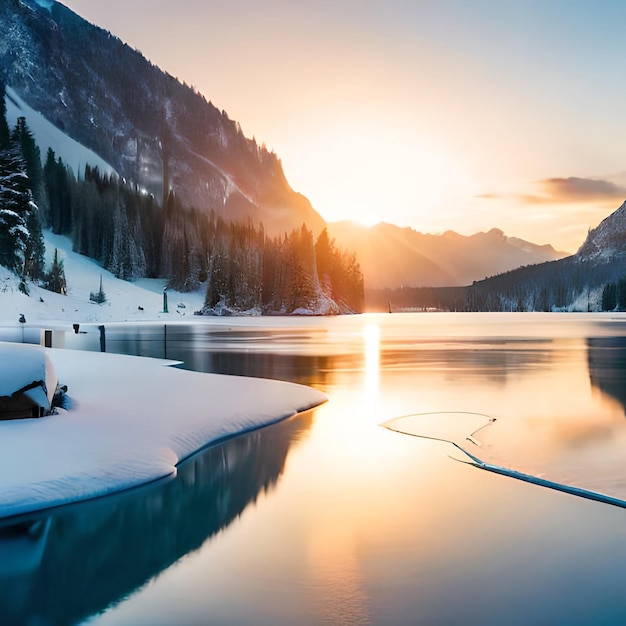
x=329, y=518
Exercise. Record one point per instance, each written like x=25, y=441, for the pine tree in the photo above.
x=15, y=206
x=218, y=269
x=621, y=295
x=4, y=127
x=54, y=279
x=57, y=185
x=35, y=247
x=32, y=157
x=326, y=263
x=14, y=200
x=99, y=297
x=21, y=238
x=302, y=285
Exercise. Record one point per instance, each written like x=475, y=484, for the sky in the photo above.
x=433, y=114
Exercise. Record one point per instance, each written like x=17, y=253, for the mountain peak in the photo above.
x=607, y=240
x=39, y=6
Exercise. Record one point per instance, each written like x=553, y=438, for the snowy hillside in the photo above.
x=124, y=298
x=47, y=135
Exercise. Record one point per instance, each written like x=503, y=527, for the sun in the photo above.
x=368, y=220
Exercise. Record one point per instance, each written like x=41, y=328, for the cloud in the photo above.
x=576, y=190
x=489, y=196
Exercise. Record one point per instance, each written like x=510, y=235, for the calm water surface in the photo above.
x=329, y=518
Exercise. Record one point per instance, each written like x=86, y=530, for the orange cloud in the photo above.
x=576, y=190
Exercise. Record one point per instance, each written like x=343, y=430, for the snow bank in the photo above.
x=129, y=421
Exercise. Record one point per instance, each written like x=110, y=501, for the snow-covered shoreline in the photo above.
x=130, y=421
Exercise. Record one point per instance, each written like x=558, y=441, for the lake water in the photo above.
x=330, y=518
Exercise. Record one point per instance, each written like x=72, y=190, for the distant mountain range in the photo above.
x=91, y=94
x=593, y=279
x=391, y=256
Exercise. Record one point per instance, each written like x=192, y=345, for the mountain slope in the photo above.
x=148, y=126
x=607, y=241
x=391, y=256
x=73, y=154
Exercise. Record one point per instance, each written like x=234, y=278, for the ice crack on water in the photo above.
x=444, y=427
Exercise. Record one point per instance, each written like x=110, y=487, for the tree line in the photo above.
x=568, y=284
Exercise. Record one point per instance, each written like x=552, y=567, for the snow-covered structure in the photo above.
x=28, y=381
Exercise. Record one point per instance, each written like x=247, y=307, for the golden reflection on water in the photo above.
x=371, y=338
x=337, y=576
x=367, y=526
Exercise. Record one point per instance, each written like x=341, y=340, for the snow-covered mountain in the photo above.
x=607, y=241
x=140, y=121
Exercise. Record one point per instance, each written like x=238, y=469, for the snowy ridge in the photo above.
x=47, y=135
x=607, y=240
x=45, y=4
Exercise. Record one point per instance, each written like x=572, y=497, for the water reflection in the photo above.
x=607, y=366
x=76, y=561
x=371, y=338
x=366, y=526
x=552, y=429
x=304, y=369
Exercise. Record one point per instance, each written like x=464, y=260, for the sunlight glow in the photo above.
x=368, y=220
x=413, y=178
x=371, y=336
